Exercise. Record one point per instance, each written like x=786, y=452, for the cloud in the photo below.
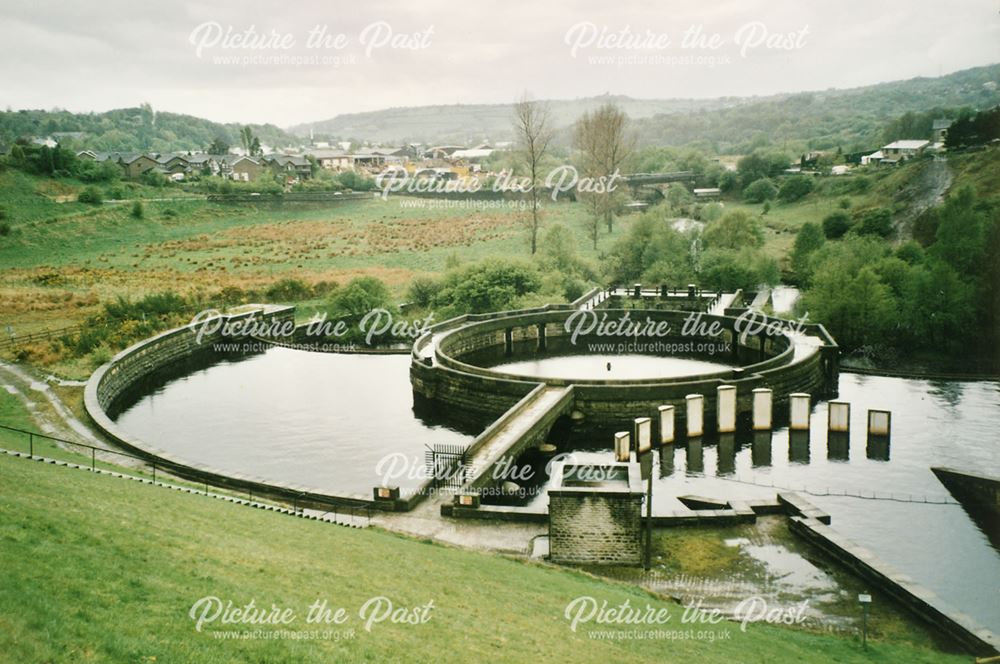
x=114, y=53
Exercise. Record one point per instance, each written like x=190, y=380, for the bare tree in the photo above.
x=604, y=143
x=534, y=133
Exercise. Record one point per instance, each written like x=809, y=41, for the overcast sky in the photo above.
x=86, y=56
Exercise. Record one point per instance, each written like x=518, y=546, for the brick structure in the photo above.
x=595, y=512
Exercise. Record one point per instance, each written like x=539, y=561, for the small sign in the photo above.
x=865, y=599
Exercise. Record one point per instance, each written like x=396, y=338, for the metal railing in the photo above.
x=357, y=515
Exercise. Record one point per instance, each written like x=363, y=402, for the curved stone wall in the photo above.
x=785, y=363
x=141, y=361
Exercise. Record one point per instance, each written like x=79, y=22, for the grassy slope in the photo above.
x=97, y=569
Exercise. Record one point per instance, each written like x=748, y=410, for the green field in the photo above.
x=99, y=569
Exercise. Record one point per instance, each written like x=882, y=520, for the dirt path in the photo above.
x=926, y=192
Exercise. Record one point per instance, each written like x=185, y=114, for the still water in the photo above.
x=326, y=420
x=317, y=420
x=609, y=367
x=934, y=423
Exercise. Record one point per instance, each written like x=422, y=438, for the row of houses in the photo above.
x=375, y=160
x=179, y=166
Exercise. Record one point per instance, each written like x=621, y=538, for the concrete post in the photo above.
x=508, y=341
x=637, y=290
x=879, y=422
x=798, y=411
x=666, y=424
x=762, y=409
x=695, y=415
x=839, y=417
x=622, y=444
x=643, y=434
x=692, y=291
x=664, y=291
x=725, y=408
x=541, y=336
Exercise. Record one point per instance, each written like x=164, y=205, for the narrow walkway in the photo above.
x=513, y=426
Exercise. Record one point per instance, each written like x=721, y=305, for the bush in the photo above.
x=288, y=290
x=91, y=195
x=711, y=211
x=759, y=191
x=836, y=225
x=795, y=187
x=4, y=229
x=422, y=291
x=137, y=211
x=877, y=221
x=573, y=289
x=489, y=286
x=360, y=296
x=734, y=230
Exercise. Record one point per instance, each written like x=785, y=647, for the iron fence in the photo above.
x=354, y=513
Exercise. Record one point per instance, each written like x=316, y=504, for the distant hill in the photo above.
x=131, y=130
x=850, y=118
x=470, y=123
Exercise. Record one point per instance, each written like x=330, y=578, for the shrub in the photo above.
x=360, y=296
x=422, y=291
x=91, y=195
x=759, y=191
x=795, y=187
x=734, y=230
x=877, y=221
x=836, y=225
x=488, y=286
x=4, y=229
x=137, y=210
x=288, y=290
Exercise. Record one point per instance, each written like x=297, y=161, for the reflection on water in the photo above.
x=325, y=420
x=936, y=544
x=608, y=367
x=318, y=420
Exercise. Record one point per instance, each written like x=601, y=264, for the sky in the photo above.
x=295, y=62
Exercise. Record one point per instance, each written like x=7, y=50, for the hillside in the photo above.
x=131, y=130
x=470, y=123
x=102, y=569
x=851, y=118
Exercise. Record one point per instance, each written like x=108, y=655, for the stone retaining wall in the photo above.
x=141, y=361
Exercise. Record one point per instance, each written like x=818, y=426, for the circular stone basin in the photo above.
x=611, y=367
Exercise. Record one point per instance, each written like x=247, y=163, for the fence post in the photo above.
x=93, y=458
x=154, y=472
x=31, y=446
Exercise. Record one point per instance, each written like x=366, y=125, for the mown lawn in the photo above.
x=99, y=569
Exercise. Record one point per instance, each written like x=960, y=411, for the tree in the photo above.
x=809, y=239
x=604, y=143
x=489, y=286
x=218, y=146
x=759, y=191
x=734, y=230
x=961, y=233
x=876, y=221
x=251, y=144
x=745, y=268
x=795, y=187
x=761, y=164
x=836, y=224
x=534, y=133
x=360, y=296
